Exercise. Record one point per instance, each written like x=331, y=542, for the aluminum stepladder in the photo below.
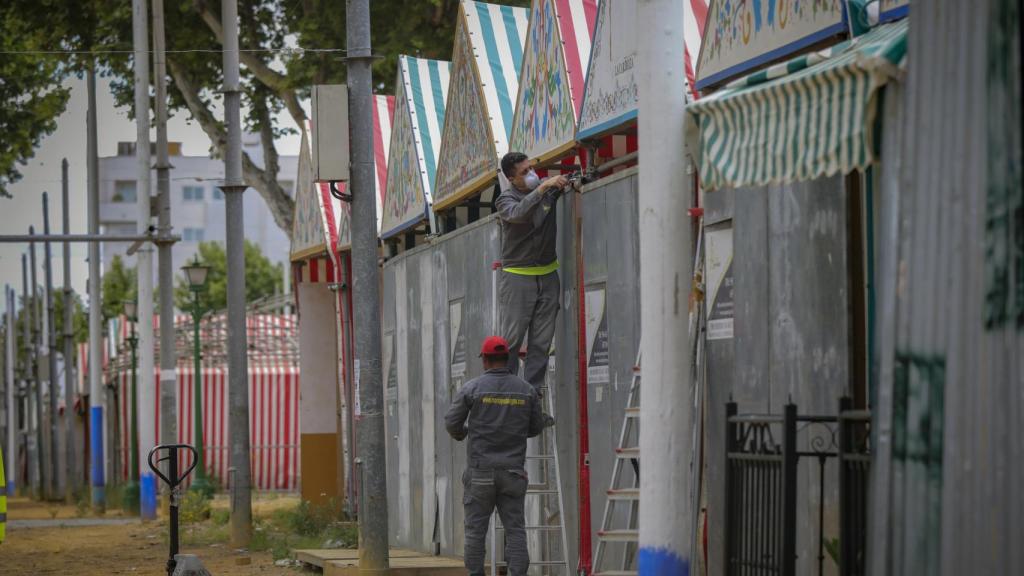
x=545, y=520
x=628, y=495
x=629, y=443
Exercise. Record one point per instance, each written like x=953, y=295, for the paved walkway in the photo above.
x=69, y=522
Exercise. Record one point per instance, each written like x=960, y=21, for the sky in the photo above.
x=42, y=173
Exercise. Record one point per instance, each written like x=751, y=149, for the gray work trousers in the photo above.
x=485, y=490
x=529, y=304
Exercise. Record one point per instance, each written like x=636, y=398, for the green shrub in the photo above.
x=193, y=508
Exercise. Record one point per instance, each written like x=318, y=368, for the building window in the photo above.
x=193, y=193
x=124, y=191
x=192, y=235
x=218, y=194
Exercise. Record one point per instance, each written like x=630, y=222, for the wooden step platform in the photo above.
x=345, y=562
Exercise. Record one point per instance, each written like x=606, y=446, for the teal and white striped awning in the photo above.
x=809, y=117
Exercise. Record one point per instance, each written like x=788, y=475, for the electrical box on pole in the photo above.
x=330, y=133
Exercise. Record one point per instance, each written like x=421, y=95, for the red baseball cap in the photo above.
x=494, y=346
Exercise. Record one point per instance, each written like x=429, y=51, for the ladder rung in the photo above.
x=633, y=412
x=541, y=457
x=538, y=528
x=633, y=452
x=616, y=573
x=530, y=492
x=619, y=535
x=624, y=494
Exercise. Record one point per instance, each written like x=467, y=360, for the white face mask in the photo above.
x=532, y=180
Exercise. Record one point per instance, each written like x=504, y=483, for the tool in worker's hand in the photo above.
x=173, y=482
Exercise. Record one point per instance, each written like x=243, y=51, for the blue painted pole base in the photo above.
x=97, y=476
x=147, y=495
x=662, y=562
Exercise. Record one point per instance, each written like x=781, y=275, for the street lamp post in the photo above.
x=131, y=490
x=196, y=274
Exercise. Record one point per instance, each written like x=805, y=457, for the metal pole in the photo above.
x=11, y=456
x=37, y=347
x=31, y=371
x=132, y=499
x=96, y=392
x=70, y=453
x=51, y=331
x=168, y=352
x=201, y=485
x=665, y=252
x=146, y=399
x=238, y=364
x=48, y=238
x=373, y=517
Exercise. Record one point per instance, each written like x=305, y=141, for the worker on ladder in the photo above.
x=528, y=285
x=503, y=410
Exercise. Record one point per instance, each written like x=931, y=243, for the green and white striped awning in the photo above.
x=809, y=117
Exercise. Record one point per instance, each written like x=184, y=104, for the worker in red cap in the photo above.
x=503, y=410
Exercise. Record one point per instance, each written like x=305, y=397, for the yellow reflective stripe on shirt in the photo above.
x=533, y=270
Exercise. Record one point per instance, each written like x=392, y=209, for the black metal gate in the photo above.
x=762, y=455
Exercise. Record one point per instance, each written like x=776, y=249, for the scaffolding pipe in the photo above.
x=70, y=453
x=51, y=340
x=168, y=356
x=373, y=514
x=146, y=398
x=91, y=237
x=665, y=252
x=11, y=456
x=238, y=363
x=97, y=470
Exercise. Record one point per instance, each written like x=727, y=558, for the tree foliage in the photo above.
x=31, y=95
x=119, y=285
x=287, y=46
x=262, y=277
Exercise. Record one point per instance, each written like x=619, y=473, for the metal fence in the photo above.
x=763, y=453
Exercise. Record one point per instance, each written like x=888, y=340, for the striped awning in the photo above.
x=809, y=117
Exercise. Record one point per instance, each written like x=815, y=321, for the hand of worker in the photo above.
x=555, y=183
x=549, y=421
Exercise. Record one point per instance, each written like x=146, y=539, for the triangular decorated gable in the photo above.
x=383, y=112
x=611, y=99
x=415, y=142
x=481, y=103
x=309, y=225
x=551, y=81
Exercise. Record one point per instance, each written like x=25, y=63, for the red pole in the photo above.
x=586, y=562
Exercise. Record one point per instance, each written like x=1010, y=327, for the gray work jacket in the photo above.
x=503, y=411
x=529, y=227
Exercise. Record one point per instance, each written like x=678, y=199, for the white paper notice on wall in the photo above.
x=718, y=265
x=355, y=374
x=457, y=338
x=597, y=336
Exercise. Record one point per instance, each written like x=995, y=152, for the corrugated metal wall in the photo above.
x=792, y=333
x=439, y=305
x=947, y=494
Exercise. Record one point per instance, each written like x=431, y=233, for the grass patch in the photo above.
x=280, y=532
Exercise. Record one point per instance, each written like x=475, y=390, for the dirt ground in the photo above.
x=134, y=548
